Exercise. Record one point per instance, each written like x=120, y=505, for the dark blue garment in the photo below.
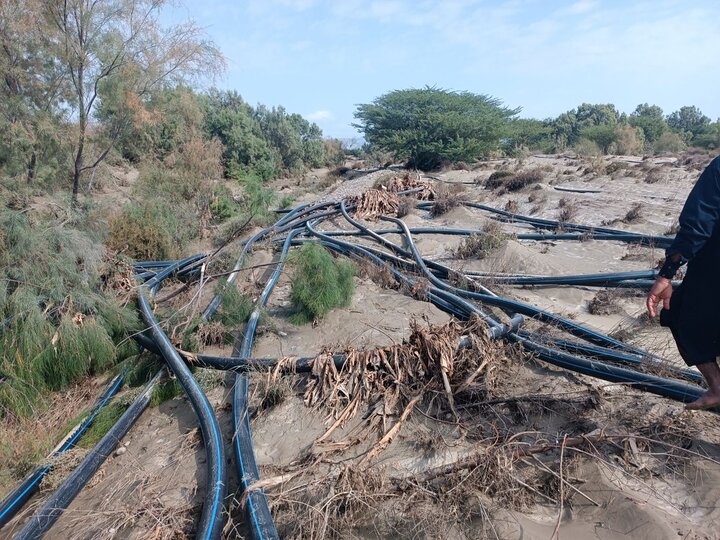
x=700, y=217
x=692, y=315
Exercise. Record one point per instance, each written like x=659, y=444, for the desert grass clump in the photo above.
x=320, y=283
x=497, y=179
x=513, y=181
x=523, y=179
x=405, y=206
x=616, y=166
x=634, y=214
x=567, y=210
x=444, y=201
x=511, y=206
x=481, y=245
x=604, y=303
x=654, y=176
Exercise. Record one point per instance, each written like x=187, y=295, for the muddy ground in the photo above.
x=645, y=469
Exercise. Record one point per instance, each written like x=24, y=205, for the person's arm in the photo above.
x=698, y=220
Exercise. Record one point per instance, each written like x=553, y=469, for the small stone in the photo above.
x=120, y=451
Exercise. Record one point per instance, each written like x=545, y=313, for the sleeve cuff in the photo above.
x=670, y=267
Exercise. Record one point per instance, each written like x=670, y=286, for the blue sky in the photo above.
x=321, y=58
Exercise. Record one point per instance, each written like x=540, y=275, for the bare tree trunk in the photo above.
x=80, y=152
x=32, y=167
x=78, y=165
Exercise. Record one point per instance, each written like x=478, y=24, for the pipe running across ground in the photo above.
x=599, y=356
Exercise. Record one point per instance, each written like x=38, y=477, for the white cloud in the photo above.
x=583, y=6
x=319, y=115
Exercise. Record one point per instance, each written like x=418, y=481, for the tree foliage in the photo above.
x=263, y=142
x=430, y=126
x=688, y=119
x=650, y=119
x=70, y=55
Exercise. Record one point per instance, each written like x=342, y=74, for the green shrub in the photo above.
x=320, y=282
x=166, y=391
x=78, y=348
x=151, y=230
x=587, y=148
x=63, y=326
x=669, y=142
x=258, y=198
x=429, y=127
x=222, y=204
x=286, y=202
x=235, y=308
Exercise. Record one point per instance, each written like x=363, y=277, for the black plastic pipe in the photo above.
x=211, y=519
x=45, y=516
x=14, y=501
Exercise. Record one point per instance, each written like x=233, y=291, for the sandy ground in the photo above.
x=621, y=490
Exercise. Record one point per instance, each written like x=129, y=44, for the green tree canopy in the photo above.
x=603, y=135
x=650, y=119
x=688, y=119
x=529, y=133
x=231, y=120
x=430, y=126
x=568, y=127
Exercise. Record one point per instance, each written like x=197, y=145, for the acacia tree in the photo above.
x=430, y=126
x=99, y=42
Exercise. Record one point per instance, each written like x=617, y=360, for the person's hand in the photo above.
x=661, y=292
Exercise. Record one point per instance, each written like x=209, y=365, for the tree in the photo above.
x=98, y=41
x=430, y=126
x=708, y=136
x=596, y=115
x=297, y=141
x=566, y=128
x=650, y=119
x=529, y=133
x=603, y=135
x=30, y=90
x=233, y=121
x=688, y=119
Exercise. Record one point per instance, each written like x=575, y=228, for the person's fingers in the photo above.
x=651, y=303
x=666, y=302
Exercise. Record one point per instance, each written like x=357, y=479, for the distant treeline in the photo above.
x=429, y=127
